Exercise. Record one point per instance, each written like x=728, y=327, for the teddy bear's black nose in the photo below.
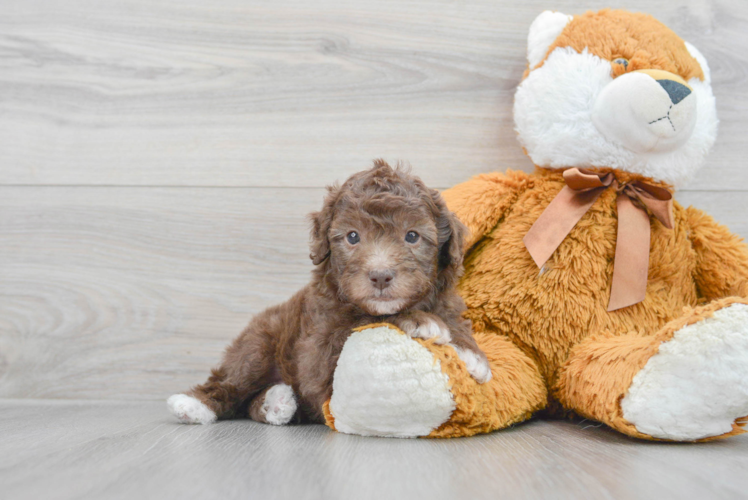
x=676, y=91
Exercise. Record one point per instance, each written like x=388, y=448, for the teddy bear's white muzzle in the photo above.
x=646, y=112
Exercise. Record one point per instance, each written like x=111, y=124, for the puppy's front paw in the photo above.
x=427, y=328
x=189, y=410
x=477, y=365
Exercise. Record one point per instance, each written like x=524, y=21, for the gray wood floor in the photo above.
x=106, y=450
x=157, y=160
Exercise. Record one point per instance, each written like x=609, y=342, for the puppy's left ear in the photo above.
x=319, y=242
x=451, y=234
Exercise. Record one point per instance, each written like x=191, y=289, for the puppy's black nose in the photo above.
x=676, y=91
x=381, y=278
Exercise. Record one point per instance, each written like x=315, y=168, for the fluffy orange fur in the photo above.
x=640, y=38
x=558, y=317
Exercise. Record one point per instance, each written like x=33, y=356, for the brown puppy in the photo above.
x=387, y=249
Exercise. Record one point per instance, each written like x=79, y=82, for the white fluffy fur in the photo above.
x=476, y=366
x=387, y=385
x=190, y=410
x=543, y=32
x=384, y=307
x=279, y=406
x=697, y=383
x=553, y=110
x=696, y=54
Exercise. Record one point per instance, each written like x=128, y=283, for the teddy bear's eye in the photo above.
x=622, y=61
x=353, y=237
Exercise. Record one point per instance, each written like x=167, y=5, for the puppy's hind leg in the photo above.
x=275, y=405
x=216, y=398
x=246, y=369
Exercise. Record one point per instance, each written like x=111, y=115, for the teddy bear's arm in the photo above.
x=481, y=202
x=722, y=258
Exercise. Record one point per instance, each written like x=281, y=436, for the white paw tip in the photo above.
x=279, y=405
x=190, y=410
x=432, y=330
x=476, y=365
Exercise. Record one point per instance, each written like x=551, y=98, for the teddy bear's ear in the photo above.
x=543, y=32
x=702, y=62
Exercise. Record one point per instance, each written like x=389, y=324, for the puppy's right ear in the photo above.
x=319, y=242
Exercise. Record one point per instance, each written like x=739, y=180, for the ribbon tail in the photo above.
x=557, y=221
x=658, y=200
x=631, y=264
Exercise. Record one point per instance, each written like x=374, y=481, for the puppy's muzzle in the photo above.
x=381, y=278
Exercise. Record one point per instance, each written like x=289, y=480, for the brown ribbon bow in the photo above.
x=631, y=265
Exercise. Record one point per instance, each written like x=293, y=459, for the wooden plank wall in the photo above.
x=157, y=159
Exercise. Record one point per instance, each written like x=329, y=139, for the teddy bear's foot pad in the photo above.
x=190, y=410
x=696, y=386
x=386, y=384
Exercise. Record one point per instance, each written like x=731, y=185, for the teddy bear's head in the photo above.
x=615, y=89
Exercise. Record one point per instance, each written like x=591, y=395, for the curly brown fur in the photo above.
x=382, y=277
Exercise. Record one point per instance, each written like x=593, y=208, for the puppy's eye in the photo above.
x=353, y=237
x=622, y=61
x=412, y=237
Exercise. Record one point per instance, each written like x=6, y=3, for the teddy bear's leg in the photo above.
x=388, y=384
x=687, y=382
x=515, y=391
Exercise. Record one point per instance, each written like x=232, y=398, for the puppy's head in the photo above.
x=385, y=241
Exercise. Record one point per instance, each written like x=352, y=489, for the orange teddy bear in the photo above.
x=589, y=288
